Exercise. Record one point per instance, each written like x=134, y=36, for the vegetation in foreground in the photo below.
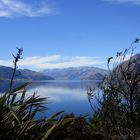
x=118, y=114
x=116, y=117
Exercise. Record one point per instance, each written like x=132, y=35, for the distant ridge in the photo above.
x=6, y=73
x=135, y=66
x=76, y=73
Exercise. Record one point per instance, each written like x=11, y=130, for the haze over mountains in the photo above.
x=76, y=73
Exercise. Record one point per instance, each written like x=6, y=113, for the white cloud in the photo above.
x=12, y=8
x=54, y=61
x=6, y=62
x=37, y=61
x=134, y=2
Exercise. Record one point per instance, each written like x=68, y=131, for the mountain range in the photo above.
x=6, y=73
x=76, y=73
x=133, y=64
x=88, y=73
x=72, y=73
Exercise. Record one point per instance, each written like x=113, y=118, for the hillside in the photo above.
x=76, y=73
x=35, y=75
x=6, y=73
x=134, y=65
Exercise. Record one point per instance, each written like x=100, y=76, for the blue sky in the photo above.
x=66, y=33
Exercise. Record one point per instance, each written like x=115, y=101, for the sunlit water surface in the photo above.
x=68, y=96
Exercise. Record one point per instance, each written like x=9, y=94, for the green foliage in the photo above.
x=116, y=118
x=119, y=112
x=17, y=118
x=18, y=113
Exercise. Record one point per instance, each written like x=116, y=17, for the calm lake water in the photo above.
x=70, y=96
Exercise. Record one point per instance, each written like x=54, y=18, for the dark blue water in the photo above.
x=68, y=96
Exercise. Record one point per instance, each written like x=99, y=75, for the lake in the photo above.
x=63, y=95
x=70, y=96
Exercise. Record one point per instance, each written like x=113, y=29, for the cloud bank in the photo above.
x=54, y=61
x=14, y=8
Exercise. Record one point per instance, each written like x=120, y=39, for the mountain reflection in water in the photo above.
x=70, y=96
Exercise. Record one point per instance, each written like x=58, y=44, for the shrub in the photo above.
x=17, y=113
x=119, y=112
